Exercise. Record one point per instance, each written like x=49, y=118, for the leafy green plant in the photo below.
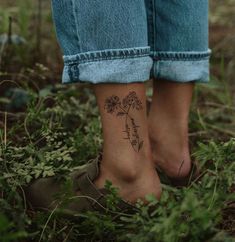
x=49, y=129
x=6, y=233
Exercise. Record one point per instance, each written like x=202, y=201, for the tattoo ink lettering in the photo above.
x=122, y=108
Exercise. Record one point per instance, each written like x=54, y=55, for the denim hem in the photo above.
x=109, y=66
x=187, y=55
x=107, y=54
x=182, y=71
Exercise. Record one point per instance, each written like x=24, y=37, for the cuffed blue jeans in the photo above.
x=125, y=41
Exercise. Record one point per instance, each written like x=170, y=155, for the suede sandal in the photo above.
x=42, y=194
x=180, y=181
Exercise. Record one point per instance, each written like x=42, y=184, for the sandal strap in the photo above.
x=181, y=181
x=80, y=182
x=87, y=187
x=184, y=181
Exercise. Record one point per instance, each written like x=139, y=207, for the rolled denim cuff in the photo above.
x=108, y=66
x=181, y=66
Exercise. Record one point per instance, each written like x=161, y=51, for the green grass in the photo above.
x=47, y=129
x=60, y=129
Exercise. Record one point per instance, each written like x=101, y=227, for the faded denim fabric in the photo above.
x=124, y=41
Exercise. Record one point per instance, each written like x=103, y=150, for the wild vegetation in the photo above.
x=48, y=129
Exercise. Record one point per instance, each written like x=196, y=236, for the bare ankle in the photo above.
x=171, y=152
x=134, y=182
x=126, y=170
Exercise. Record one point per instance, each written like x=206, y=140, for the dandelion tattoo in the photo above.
x=114, y=105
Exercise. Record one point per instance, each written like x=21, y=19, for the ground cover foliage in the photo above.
x=48, y=129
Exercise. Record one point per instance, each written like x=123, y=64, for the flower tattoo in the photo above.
x=114, y=105
x=132, y=100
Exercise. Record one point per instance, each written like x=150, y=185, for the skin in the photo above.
x=168, y=126
x=129, y=168
x=163, y=136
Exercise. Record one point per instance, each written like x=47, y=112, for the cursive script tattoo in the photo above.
x=122, y=108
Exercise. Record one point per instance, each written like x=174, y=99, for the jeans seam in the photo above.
x=107, y=55
x=181, y=56
x=153, y=26
x=77, y=36
x=180, y=59
x=106, y=58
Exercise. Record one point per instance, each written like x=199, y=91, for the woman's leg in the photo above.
x=127, y=159
x=101, y=47
x=168, y=126
x=178, y=38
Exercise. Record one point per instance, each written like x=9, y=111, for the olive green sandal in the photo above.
x=46, y=194
x=180, y=181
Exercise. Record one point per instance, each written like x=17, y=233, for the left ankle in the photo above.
x=128, y=169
